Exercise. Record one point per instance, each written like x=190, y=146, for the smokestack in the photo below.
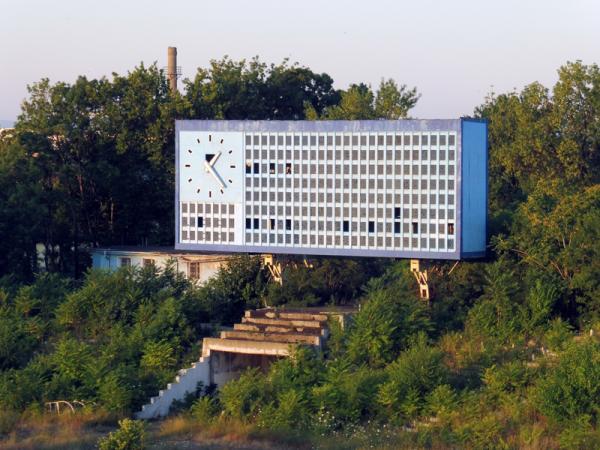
x=172, y=71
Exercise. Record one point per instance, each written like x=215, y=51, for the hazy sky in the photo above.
x=453, y=51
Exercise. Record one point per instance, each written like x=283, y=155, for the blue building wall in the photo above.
x=474, y=193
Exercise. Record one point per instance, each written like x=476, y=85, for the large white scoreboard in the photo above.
x=401, y=188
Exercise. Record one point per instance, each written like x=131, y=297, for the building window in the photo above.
x=288, y=224
x=450, y=228
x=272, y=168
x=397, y=227
x=125, y=262
x=148, y=262
x=396, y=213
x=288, y=168
x=256, y=167
x=256, y=224
x=248, y=167
x=345, y=226
x=200, y=222
x=248, y=223
x=194, y=271
x=271, y=224
x=415, y=227
x=371, y=227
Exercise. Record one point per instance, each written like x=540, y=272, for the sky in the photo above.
x=454, y=51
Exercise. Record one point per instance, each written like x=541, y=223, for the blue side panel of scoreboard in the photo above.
x=474, y=176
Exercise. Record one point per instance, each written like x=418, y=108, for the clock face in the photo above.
x=211, y=166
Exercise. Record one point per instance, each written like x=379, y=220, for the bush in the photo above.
x=349, y=395
x=558, y=335
x=243, y=398
x=416, y=373
x=129, y=436
x=509, y=377
x=290, y=411
x=580, y=435
x=384, y=326
x=572, y=388
x=442, y=400
x=204, y=409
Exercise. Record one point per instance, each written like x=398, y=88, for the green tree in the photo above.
x=359, y=102
x=79, y=140
x=254, y=90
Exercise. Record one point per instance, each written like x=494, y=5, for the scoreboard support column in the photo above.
x=421, y=277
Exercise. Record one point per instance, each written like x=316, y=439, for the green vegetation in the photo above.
x=506, y=355
x=129, y=436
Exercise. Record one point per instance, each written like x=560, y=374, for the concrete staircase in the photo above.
x=185, y=382
x=262, y=337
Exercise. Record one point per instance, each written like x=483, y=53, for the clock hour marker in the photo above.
x=189, y=180
x=230, y=152
x=187, y=165
x=198, y=191
x=209, y=194
x=230, y=182
x=232, y=166
x=198, y=140
x=210, y=138
x=222, y=142
x=189, y=151
x=222, y=191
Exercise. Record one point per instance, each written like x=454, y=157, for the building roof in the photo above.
x=154, y=250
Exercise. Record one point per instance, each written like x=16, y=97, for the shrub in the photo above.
x=290, y=411
x=243, y=398
x=442, y=400
x=204, y=409
x=497, y=314
x=129, y=436
x=558, y=335
x=572, y=388
x=117, y=389
x=384, y=326
x=417, y=372
x=509, y=377
x=349, y=395
x=580, y=435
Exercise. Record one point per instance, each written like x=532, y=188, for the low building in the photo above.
x=194, y=265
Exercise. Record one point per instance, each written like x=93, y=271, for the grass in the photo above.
x=78, y=431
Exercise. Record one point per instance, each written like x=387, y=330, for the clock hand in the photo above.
x=214, y=174
x=214, y=159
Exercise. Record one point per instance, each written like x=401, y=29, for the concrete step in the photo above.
x=272, y=337
x=245, y=346
x=159, y=406
x=257, y=327
x=283, y=322
x=286, y=314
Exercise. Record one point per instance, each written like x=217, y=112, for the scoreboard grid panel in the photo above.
x=343, y=177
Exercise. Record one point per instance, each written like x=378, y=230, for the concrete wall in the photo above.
x=226, y=366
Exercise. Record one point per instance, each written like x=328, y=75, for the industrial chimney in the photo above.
x=172, y=69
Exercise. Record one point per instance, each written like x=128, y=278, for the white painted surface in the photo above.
x=112, y=259
x=186, y=382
